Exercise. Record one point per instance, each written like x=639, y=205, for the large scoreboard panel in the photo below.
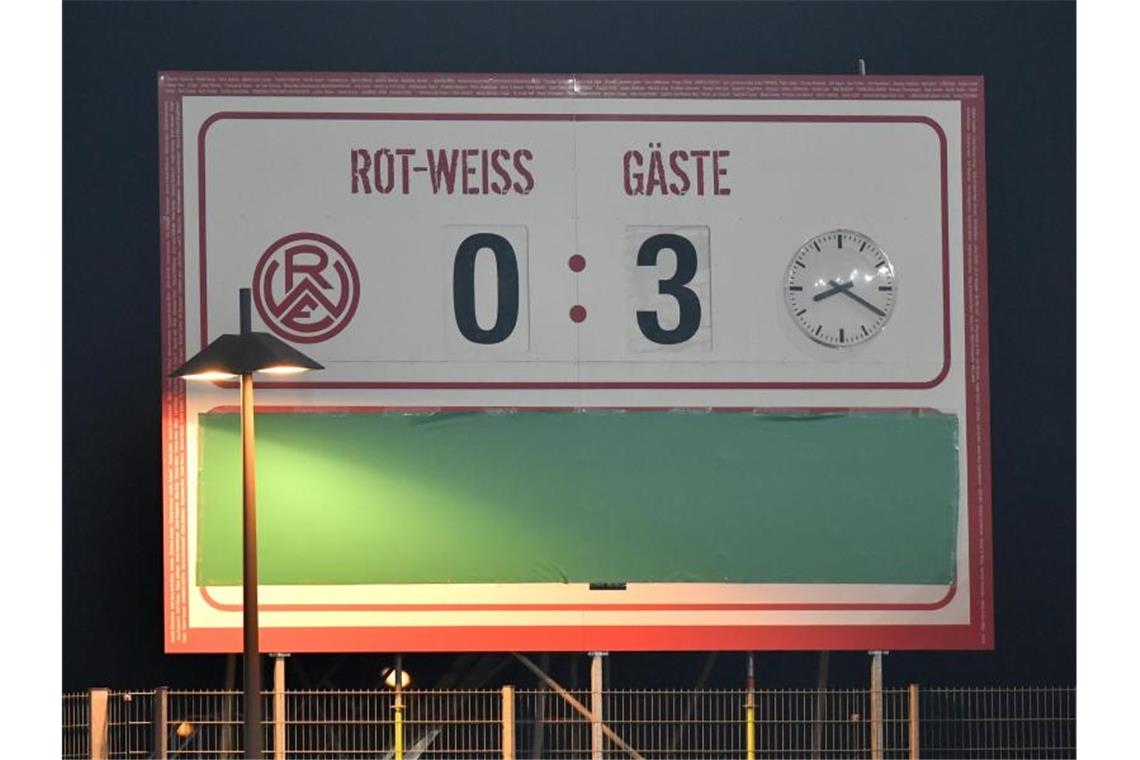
x=612, y=362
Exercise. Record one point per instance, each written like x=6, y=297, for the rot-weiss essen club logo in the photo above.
x=306, y=287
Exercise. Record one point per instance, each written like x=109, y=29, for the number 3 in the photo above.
x=688, y=302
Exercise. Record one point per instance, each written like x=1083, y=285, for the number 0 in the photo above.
x=463, y=288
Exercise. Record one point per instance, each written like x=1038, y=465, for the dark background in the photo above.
x=112, y=530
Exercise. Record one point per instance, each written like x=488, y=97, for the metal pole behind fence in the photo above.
x=876, y=706
x=228, y=720
x=508, y=724
x=97, y=723
x=279, y=706
x=821, y=682
x=399, y=709
x=912, y=720
x=750, y=712
x=159, y=734
x=539, y=733
x=597, y=739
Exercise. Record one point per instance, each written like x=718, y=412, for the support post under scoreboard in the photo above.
x=877, y=705
x=912, y=720
x=508, y=726
x=279, y=706
x=97, y=700
x=597, y=738
x=159, y=744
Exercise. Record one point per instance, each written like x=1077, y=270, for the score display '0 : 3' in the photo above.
x=839, y=287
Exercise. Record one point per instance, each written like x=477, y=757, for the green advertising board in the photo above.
x=529, y=497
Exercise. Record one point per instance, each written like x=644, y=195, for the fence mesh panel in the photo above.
x=76, y=726
x=965, y=723
x=209, y=723
x=129, y=722
x=453, y=724
x=329, y=724
x=547, y=726
x=998, y=724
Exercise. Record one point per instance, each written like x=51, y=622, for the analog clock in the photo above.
x=840, y=288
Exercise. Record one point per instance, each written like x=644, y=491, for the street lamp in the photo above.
x=226, y=357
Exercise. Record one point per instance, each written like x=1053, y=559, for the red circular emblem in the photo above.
x=305, y=287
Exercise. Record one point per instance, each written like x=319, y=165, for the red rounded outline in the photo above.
x=951, y=592
x=354, y=278
x=951, y=589
x=585, y=117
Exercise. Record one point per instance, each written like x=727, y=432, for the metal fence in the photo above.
x=130, y=723
x=926, y=722
x=208, y=723
x=76, y=726
x=998, y=723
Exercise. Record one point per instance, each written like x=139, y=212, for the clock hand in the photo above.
x=847, y=292
x=838, y=287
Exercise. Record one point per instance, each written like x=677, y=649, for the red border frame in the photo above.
x=968, y=91
x=584, y=639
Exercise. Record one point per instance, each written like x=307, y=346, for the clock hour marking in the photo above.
x=818, y=328
x=816, y=246
x=801, y=264
x=801, y=311
x=862, y=247
x=840, y=334
x=840, y=239
x=886, y=287
x=795, y=287
x=881, y=263
x=864, y=329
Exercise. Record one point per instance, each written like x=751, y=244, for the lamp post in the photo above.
x=226, y=357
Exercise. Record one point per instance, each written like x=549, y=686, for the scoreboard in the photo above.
x=612, y=362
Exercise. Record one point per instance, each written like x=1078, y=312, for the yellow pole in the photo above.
x=399, y=749
x=399, y=728
x=750, y=713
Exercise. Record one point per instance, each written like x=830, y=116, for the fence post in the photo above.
x=876, y=705
x=158, y=724
x=97, y=723
x=597, y=738
x=912, y=716
x=279, y=705
x=508, y=713
x=750, y=712
x=398, y=709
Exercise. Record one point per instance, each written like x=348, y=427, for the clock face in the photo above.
x=840, y=288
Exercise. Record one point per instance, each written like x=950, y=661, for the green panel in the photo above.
x=574, y=497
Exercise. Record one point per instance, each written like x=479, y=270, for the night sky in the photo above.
x=111, y=454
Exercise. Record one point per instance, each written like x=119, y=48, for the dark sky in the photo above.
x=112, y=531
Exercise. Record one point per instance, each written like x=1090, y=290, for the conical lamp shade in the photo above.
x=244, y=354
